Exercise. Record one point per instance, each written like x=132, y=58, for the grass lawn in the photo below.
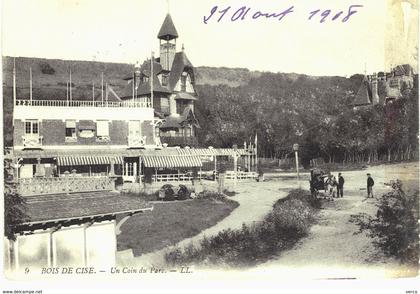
x=170, y=223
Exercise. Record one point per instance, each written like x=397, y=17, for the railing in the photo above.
x=31, y=141
x=230, y=175
x=77, y=103
x=55, y=185
x=172, y=178
x=135, y=141
x=179, y=141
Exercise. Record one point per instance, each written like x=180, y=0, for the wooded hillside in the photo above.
x=235, y=104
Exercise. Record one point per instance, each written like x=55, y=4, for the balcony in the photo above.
x=136, y=141
x=64, y=103
x=32, y=141
x=83, y=110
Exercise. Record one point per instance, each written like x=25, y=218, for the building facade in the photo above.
x=145, y=131
x=169, y=83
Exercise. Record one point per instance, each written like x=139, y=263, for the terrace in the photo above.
x=79, y=103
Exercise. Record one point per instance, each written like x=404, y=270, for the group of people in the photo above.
x=335, y=189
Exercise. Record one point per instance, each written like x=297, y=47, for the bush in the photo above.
x=167, y=192
x=46, y=68
x=14, y=204
x=395, y=225
x=183, y=192
x=211, y=195
x=289, y=220
x=229, y=193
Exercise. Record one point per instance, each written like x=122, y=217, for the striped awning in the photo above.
x=88, y=160
x=172, y=161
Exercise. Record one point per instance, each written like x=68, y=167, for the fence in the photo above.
x=172, y=178
x=55, y=185
x=230, y=175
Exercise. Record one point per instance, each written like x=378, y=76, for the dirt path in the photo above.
x=255, y=201
x=332, y=250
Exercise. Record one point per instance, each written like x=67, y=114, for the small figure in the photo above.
x=340, y=186
x=370, y=183
x=331, y=186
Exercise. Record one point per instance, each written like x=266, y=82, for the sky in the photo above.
x=126, y=31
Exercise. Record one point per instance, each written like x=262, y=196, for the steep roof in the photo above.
x=144, y=88
x=177, y=121
x=404, y=69
x=364, y=95
x=167, y=30
x=180, y=62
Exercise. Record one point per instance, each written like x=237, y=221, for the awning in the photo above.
x=172, y=161
x=88, y=160
x=87, y=125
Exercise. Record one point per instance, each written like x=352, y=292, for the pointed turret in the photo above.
x=363, y=95
x=167, y=36
x=168, y=31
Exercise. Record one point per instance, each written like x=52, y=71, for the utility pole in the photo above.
x=70, y=85
x=151, y=96
x=296, y=149
x=30, y=84
x=102, y=88
x=14, y=89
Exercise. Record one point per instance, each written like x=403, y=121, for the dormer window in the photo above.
x=184, y=81
x=164, y=80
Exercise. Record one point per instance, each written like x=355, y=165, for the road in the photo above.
x=331, y=250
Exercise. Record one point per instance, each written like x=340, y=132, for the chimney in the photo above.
x=375, y=96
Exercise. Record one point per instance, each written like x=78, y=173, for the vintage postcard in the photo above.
x=151, y=141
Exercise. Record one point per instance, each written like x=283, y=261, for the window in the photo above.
x=102, y=130
x=164, y=80
x=31, y=127
x=134, y=128
x=71, y=131
x=188, y=132
x=130, y=169
x=184, y=81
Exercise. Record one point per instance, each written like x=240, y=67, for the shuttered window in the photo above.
x=102, y=128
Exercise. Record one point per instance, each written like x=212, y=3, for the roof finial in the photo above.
x=183, y=47
x=167, y=6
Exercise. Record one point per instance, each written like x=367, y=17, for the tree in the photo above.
x=14, y=204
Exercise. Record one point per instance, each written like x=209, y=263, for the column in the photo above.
x=235, y=168
x=135, y=170
x=112, y=169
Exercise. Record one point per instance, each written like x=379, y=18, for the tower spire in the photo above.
x=167, y=36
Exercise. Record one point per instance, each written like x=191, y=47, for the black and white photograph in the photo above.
x=237, y=141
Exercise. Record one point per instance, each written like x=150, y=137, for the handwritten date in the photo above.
x=245, y=12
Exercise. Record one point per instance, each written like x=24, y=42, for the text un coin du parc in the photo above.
x=112, y=270
x=237, y=14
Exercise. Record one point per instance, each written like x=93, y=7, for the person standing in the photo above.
x=370, y=183
x=340, y=186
